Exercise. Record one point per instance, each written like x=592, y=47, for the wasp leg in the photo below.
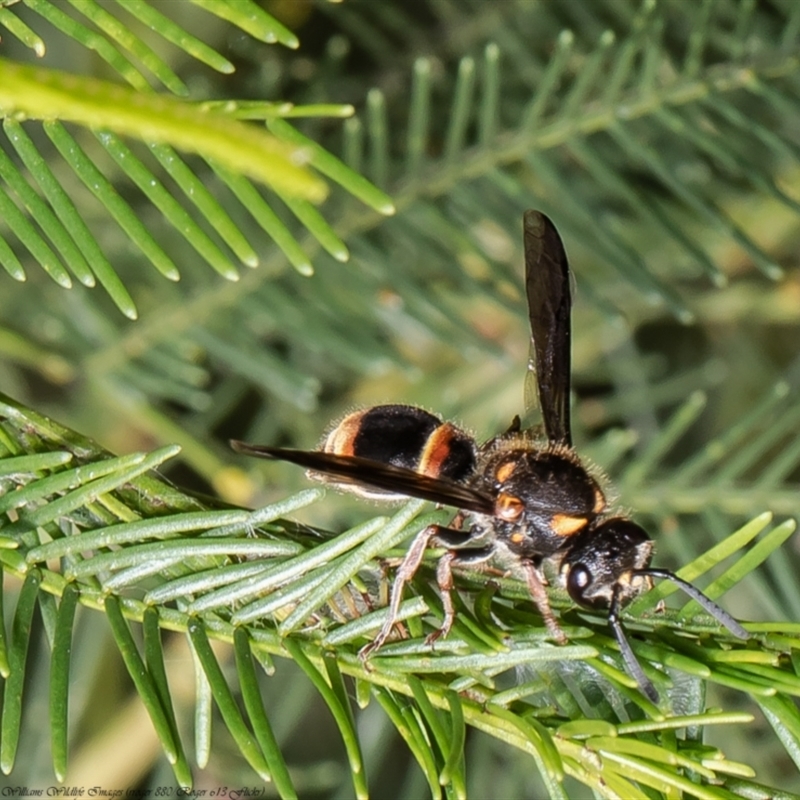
x=405, y=573
x=539, y=595
x=457, y=522
x=444, y=577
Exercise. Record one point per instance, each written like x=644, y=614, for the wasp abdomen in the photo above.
x=404, y=436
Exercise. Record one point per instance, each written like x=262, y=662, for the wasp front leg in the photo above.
x=539, y=594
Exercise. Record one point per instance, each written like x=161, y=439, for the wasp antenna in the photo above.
x=719, y=614
x=632, y=665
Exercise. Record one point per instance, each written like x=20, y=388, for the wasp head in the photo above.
x=605, y=560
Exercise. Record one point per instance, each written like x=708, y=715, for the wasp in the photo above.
x=524, y=499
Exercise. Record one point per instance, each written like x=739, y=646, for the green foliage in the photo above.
x=661, y=138
x=235, y=151
x=80, y=517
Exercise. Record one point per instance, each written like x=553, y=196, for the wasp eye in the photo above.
x=579, y=580
x=509, y=507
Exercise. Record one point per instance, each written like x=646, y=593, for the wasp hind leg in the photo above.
x=446, y=537
x=444, y=577
x=405, y=573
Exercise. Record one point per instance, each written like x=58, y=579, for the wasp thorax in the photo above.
x=545, y=496
x=509, y=507
x=548, y=480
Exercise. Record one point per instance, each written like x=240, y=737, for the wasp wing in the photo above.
x=375, y=474
x=549, y=308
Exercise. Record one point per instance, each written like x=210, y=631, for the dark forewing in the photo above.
x=549, y=306
x=364, y=471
